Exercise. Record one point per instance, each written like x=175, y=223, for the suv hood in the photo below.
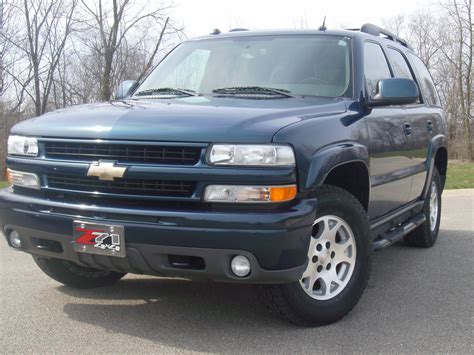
x=190, y=119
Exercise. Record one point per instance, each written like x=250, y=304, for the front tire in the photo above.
x=76, y=276
x=339, y=262
x=425, y=236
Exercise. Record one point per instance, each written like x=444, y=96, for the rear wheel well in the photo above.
x=352, y=177
x=441, y=163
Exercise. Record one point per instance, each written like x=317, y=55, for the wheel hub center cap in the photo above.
x=323, y=255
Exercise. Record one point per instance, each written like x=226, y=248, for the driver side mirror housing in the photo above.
x=125, y=89
x=394, y=91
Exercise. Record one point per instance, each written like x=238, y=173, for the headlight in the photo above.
x=19, y=178
x=249, y=194
x=251, y=155
x=26, y=146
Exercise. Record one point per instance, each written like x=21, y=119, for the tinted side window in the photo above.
x=400, y=65
x=375, y=65
x=425, y=82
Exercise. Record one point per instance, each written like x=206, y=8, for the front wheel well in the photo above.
x=352, y=177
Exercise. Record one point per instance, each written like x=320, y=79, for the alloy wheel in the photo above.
x=331, y=258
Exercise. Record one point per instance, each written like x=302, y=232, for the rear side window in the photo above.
x=375, y=65
x=400, y=65
x=425, y=82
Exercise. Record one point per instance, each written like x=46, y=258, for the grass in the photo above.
x=460, y=175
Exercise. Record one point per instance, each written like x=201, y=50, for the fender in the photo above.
x=438, y=141
x=329, y=157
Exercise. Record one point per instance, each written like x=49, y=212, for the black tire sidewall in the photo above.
x=326, y=311
x=432, y=234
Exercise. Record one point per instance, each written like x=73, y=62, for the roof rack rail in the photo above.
x=377, y=31
x=238, y=29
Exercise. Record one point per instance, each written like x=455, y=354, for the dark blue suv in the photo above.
x=279, y=158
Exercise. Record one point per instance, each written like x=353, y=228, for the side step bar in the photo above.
x=398, y=232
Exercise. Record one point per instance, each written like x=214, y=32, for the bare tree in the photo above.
x=113, y=27
x=41, y=41
x=442, y=36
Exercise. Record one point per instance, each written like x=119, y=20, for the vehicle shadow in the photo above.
x=212, y=317
x=200, y=316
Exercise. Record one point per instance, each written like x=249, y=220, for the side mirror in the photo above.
x=125, y=89
x=394, y=91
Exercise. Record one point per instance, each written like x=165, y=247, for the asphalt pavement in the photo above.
x=418, y=300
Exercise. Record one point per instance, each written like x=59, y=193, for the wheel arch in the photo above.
x=437, y=157
x=345, y=165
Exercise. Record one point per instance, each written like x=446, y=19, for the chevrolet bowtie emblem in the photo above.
x=106, y=170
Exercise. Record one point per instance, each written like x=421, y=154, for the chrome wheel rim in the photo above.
x=331, y=258
x=433, y=206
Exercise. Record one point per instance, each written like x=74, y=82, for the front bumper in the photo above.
x=275, y=241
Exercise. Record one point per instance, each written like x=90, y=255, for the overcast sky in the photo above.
x=201, y=16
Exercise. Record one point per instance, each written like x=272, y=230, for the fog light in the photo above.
x=15, y=240
x=240, y=265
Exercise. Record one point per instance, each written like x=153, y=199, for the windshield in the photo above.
x=306, y=65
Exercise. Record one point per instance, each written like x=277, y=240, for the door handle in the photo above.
x=407, y=129
x=429, y=126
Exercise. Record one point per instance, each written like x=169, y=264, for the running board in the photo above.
x=398, y=232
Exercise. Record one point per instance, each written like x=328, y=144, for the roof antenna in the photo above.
x=323, y=26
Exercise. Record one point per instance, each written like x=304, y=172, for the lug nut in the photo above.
x=328, y=245
x=319, y=247
x=315, y=259
x=333, y=254
x=320, y=268
x=328, y=266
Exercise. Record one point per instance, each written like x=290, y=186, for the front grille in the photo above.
x=124, y=153
x=137, y=187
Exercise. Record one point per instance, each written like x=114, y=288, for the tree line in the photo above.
x=58, y=53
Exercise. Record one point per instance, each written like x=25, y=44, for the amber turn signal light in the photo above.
x=282, y=193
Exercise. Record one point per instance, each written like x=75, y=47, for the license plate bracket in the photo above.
x=99, y=238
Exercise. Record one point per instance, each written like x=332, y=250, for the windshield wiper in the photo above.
x=166, y=92
x=253, y=90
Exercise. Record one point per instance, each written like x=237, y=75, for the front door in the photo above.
x=390, y=142
x=390, y=159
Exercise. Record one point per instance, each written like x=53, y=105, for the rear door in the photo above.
x=390, y=141
x=425, y=120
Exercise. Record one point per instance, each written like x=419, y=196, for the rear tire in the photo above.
x=76, y=276
x=425, y=236
x=312, y=303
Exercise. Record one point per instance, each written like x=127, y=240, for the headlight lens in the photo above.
x=19, y=145
x=19, y=178
x=249, y=194
x=252, y=155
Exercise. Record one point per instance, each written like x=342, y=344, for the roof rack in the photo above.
x=377, y=31
x=238, y=29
